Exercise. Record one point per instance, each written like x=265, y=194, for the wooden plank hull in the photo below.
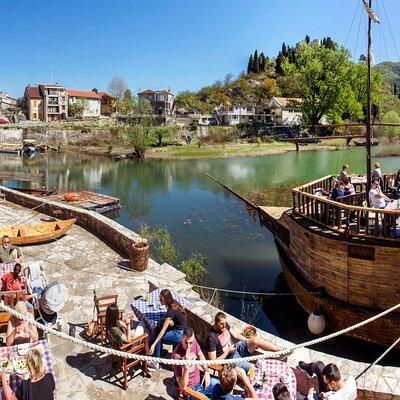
x=339, y=315
x=36, y=233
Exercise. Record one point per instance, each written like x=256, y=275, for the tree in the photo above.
x=392, y=133
x=161, y=132
x=139, y=136
x=95, y=90
x=262, y=62
x=256, y=63
x=75, y=109
x=307, y=39
x=127, y=104
x=250, y=65
x=320, y=77
x=144, y=113
x=117, y=86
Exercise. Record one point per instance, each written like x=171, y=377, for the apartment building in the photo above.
x=234, y=115
x=46, y=102
x=90, y=100
x=162, y=102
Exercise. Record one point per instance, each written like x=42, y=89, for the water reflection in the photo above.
x=199, y=214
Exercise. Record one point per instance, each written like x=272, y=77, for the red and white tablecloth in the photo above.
x=11, y=353
x=275, y=372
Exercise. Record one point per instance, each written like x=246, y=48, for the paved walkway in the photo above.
x=81, y=263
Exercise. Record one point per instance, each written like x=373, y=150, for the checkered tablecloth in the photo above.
x=275, y=372
x=12, y=352
x=152, y=312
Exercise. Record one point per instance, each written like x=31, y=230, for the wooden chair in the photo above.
x=138, y=345
x=101, y=303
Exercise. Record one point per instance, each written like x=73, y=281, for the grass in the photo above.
x=228, y=150
x=387, y=149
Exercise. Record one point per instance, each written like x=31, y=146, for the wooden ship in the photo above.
x=341, y=257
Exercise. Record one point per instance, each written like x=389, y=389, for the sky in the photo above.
x=176, y=44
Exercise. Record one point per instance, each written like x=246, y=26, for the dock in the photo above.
x=92, y=201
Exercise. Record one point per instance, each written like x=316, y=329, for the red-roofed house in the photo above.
x=33, y=103
x=108, y=106
x=162, y=102
x=90, y=100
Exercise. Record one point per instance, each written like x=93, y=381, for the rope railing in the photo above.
x=229, y=361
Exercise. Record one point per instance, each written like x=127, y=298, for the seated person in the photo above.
x=171, y=329
x=337, y=191
x=377, y=198
x=395, y=187
x=119, y=330
x=220, y=343
x=348, y=187
x=19, y=331
x=338, y=389
x=280, y=392
x=189, y=375
x=40, y=384
x=8, y=252
x=227, y=380
x=13, y=281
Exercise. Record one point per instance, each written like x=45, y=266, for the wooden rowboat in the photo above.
x=36, y=233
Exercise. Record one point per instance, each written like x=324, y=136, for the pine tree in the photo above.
x=250, y=65
x=256, y=63
x=262, y=62
x=308, y=39
x=278, y=64
x=284, y=49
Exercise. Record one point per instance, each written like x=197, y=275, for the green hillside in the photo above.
x=391, y=73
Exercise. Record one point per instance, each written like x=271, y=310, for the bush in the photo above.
x=195, y=268
x=392, y=133
x=220, y=134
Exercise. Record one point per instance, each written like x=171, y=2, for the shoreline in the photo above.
x=206, y=152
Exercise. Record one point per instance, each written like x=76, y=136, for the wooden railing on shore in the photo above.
x=346, y=215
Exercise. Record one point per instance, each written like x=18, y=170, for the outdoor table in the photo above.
x=152, y=312
x=11, y=353
x=275, y=372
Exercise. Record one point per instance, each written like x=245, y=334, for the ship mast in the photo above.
x=368, y=125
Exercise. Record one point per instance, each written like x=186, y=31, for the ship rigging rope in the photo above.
x=139, y=357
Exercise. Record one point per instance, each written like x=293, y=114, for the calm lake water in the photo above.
x=203, y=217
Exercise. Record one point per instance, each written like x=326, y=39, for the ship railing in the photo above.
x=346, y=218
x=325, y=183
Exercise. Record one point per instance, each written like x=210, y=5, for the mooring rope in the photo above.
x=139, y=357
x=391, y=347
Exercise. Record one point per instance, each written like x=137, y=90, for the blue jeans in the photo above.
x=242, y=350
x=173, y=336
x=206, y=391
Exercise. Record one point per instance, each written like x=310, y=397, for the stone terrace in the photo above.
x=81, y=262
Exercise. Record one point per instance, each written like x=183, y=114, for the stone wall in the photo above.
x=378, y=382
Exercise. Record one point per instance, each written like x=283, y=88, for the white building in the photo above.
x=233, y=115
x=6, y=101
x=91, y=101
x=285, y=111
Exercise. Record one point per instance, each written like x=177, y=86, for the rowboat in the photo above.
x=36, y=233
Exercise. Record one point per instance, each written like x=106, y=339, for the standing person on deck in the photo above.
x=172, y=327
x=344, y=175
x=8, y=252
